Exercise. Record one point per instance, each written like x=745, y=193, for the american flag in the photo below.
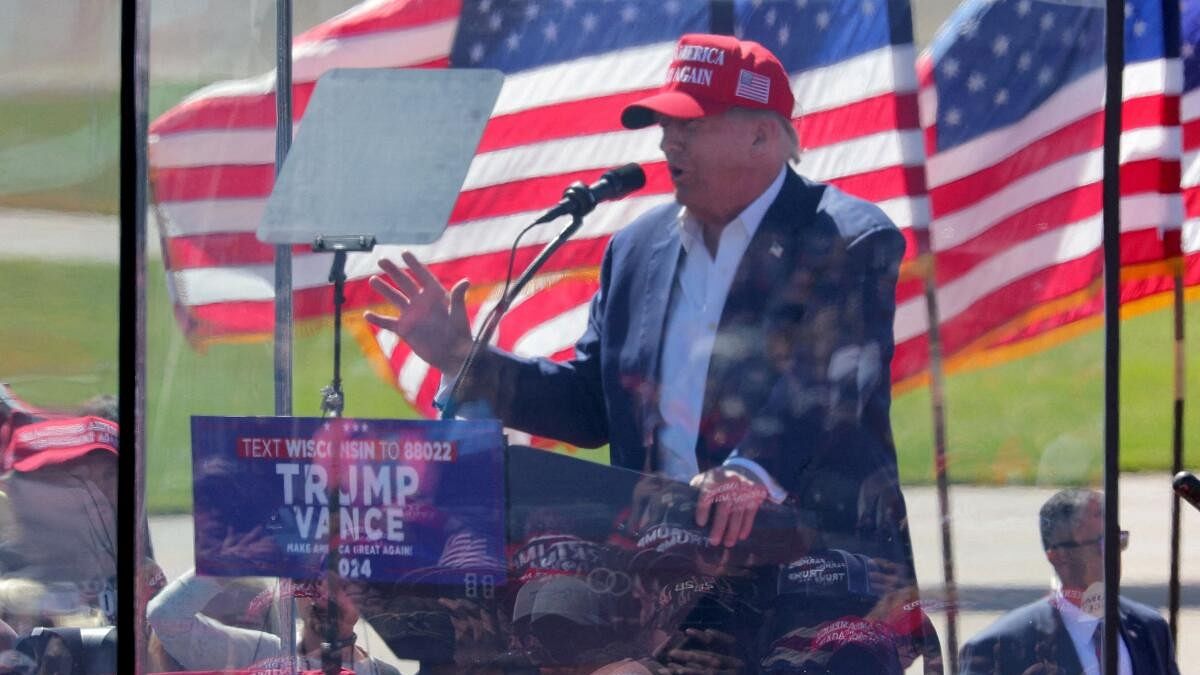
x=851, y=67
x=211, y=169
x=570, y=66
x=1189, y=104
x=1012, y=107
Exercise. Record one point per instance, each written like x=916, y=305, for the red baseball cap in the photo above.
x=42, y=444
x=711, y=74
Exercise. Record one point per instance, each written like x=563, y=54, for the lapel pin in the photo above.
x=776, y=250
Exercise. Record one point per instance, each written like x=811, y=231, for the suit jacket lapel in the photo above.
x=659, y=280
x=1067, y=657
x=1140, y=650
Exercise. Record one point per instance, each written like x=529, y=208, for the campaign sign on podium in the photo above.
x=419, y=501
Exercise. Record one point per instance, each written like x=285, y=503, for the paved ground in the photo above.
x=998, y=556
x=54, y=235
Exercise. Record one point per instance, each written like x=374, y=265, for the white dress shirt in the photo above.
x=1081, y=626
x=693, y=315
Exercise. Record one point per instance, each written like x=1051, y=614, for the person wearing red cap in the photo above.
x=741, y=337
x=60, y=476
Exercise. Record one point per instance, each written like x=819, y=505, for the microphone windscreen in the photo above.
x=1187, y=486
x=629, y=178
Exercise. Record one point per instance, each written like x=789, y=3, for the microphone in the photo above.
x=579, y=200
x=1187, y=486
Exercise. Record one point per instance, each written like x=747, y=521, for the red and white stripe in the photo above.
x=1017, y=212
x=1189, y=236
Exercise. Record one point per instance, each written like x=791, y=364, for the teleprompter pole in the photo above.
x=333, y=402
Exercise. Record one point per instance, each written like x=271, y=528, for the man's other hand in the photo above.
x=431, y=320
x=732, y=499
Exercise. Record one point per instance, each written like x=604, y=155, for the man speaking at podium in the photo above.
x=741, y=337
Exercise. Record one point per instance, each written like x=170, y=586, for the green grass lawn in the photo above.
x=80, y=130
x=1038, y=419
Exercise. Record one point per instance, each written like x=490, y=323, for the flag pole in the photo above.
x=283, y=277
x=1176, y=446
x=1114, y=56
x=283, y=252
x=938, y=409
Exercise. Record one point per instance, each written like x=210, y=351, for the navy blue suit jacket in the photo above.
x=1035, y=633
x=799, y=375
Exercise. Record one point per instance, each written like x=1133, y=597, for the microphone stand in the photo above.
x=333, y=399
x=493, y=318
x=333, y=402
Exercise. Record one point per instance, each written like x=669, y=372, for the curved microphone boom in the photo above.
x=578, y=201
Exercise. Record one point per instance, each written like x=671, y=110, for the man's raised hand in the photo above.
x=431, y=320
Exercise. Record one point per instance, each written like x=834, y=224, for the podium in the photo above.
x=502, y=555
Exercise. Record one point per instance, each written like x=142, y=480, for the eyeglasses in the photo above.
x=1097, y=542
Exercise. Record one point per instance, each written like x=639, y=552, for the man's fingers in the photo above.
x=458, y=302
x=736, y=500
x=406, y=279
x=720, y=523
x=419, y=271
x=389, y=292
x=712, y=637
x=750, y=511
x=398, y=276
x=733, y=531
x=380, y=321
x=389, y=266
x=407, y=286
x=703, y=508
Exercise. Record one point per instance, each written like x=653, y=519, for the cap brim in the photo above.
x=670, y=103
x=56, y=456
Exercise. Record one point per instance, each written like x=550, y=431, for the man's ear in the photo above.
x=763, y=135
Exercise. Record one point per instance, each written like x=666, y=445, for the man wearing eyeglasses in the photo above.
x=1060, y=634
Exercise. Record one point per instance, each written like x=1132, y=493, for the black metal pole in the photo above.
x=333, y=399
x=283, y=252
x=1114, y=56
x=937, y=405
x=283, y=274
x=331, y=656
x=1176, y=450
x=721, y=15
x=132, y=330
